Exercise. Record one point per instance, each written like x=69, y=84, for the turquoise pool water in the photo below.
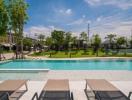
x=69, y=64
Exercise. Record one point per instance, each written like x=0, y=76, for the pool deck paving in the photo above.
x=77, y=87
x=71, y=75
x=8, y=55
x=90, y=74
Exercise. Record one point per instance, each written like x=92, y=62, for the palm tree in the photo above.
x=96, y=41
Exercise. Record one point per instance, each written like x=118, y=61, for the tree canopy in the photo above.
x=3, y=17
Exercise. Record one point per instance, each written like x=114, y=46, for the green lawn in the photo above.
x=76, y=54
x=5, y=51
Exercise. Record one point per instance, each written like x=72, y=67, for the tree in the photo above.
x=49, y=42
x=96, y=41
x=3, y=18
x=27, y=42
x=41, y=38
x=3, y=21
x=0, y=52
x=130, y=44
x=121, y=41
x=111, y=39
x=74, y=42
x=83, y=38
x=68, y=39
x=58, y=38
x=18, y=17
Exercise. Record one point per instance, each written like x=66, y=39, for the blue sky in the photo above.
x=104, y=16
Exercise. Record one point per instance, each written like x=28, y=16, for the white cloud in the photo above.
x=83, y=16
x=69, y=11
x=103, y=25
x=65, y=11
x=77, y=22
x=99, y=19
x=80, y=21
x=112, y=24
x=92, y=2
x=34, y=31
x=123, y=4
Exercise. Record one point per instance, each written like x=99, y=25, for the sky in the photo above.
x=104, y=17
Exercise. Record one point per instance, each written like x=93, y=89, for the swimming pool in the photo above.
x=69, y=64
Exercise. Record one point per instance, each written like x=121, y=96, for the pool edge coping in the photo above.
x=84, y=58
x=23, y=70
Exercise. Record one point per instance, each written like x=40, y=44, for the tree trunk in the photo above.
x=16, y=52
x=0, y=57
x=0, y=52
x=125, y=51
x=10, y=40
x=97, y=53
x=22, y=55
x=21, y=37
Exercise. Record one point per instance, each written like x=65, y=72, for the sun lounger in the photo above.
x=104, y=90
x=4, y=96
x=10, y=89
x=55, y=90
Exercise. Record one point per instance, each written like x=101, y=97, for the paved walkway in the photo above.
x=8, y=55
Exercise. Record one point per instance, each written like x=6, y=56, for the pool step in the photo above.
x=23, y=70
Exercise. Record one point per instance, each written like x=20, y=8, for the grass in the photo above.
x=5, y=51
x=77, y=54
